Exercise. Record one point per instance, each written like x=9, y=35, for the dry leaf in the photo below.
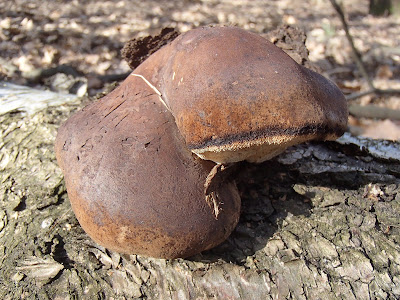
x=386, y=130
x=39, y=268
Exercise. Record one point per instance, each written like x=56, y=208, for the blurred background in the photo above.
x=80, y=43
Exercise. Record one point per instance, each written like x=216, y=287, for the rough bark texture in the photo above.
x=318, y=222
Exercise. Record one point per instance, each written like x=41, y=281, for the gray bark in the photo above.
x=318, y=222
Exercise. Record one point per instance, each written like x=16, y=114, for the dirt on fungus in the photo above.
x=136, y=51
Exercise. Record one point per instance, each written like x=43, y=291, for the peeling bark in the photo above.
x=319, y=221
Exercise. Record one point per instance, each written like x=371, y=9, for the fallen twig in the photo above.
x=373, y=111
x=113, y=77
x=373, y=91
x=39, y=74
x=358, y=60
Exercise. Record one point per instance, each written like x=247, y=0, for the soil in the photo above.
x=89, y=36
x=75, y=46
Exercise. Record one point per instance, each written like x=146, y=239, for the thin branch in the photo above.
x=357, y=56
x=359, y=94
x=373, y=111
x=373, y=91
x=356, y=53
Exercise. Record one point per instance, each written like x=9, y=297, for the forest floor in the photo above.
x=88, y=36
x=319, y=221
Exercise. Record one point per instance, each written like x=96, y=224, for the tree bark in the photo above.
x=319, y=221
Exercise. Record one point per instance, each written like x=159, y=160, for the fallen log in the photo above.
x=320, y=220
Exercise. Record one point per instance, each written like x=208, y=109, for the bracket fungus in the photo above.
x=222, y=93
x=235, y=96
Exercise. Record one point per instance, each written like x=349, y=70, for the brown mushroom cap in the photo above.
x=227, y=94
x=235, y=96
x=133, y=185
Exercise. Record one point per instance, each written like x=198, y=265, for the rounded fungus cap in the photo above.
x=133, y=185
x=220, y=92
x=235, y=96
